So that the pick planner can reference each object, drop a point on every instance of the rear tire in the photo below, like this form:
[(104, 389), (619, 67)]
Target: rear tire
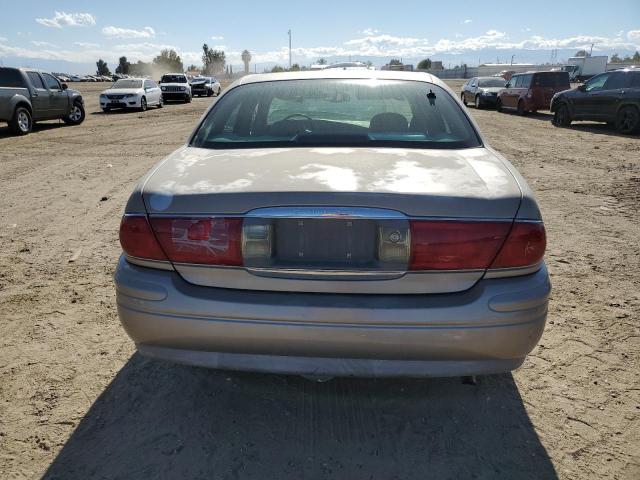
[(520, 109), (21, 123), (76, 115), (628, 120), (477, 102), (562, 117), (463, 99), (499, 105)]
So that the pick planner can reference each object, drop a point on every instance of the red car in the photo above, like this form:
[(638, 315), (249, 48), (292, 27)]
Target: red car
[(531, 91)]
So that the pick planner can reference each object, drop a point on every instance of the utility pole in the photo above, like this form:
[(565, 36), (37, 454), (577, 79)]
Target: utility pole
[(512, 57), (289, 49), (591, 51)]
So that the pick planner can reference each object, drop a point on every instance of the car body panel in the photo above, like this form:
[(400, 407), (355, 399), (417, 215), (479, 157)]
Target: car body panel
[(417, 182), (489, 322)]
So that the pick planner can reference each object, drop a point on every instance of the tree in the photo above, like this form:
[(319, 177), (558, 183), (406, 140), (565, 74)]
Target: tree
[(295, 68), (277, 69), (615, 58), (581, 53), (191, 68), (169, 60), (246, 58), (636, 57), (141, 68), (322, 61), (103, 69), (424, 64), (123, 66), (213, 61), (395, 61)]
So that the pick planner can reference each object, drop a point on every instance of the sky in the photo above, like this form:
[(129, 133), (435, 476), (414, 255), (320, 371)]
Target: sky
[(70, 36)]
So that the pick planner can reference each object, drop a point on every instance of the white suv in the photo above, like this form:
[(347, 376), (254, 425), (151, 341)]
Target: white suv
[(175, 86)]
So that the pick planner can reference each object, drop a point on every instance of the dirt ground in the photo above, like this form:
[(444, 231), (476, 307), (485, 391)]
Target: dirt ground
[(76, 402)]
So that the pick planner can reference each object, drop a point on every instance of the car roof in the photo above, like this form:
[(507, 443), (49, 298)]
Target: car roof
[(336, 73), (134, 78)]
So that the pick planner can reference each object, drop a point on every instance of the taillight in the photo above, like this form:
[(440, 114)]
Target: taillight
[(137, 239), (524, 247), (207, 241), (463, 245), (455, 245)]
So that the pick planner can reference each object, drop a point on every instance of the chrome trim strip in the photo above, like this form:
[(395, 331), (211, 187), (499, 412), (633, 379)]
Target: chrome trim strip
[(512, 272), (143, 262), (326, 212), (326, 274)]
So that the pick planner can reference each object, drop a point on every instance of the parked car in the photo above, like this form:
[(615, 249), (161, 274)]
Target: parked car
[(205, 86), (482, 91), (330, 223), (175, 86), (131, 93), (28, 95), (506, 74), (612, 97), (531, 91)]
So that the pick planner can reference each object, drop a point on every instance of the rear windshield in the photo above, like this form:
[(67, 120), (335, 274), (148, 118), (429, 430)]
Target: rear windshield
[(552, 79), (173, 79), (127, 83), (345, 112), (491, 82), (10, 78)]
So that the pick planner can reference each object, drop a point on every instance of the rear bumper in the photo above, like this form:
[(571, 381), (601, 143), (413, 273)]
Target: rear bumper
[(489, 328)]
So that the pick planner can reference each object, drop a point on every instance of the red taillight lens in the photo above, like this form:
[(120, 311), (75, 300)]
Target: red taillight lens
[(208, 241), (455, 245), (138, 240), (524, 247)]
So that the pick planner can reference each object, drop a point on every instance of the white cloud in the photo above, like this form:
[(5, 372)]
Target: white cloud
[(369, 31), (86, 44), (4, 39), (43, 44), (220, 37), (633, 35), (117, 32), (64, 19), (468, 20)]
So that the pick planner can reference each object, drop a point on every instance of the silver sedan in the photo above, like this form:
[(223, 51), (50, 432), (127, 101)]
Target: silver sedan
[(335, 223)]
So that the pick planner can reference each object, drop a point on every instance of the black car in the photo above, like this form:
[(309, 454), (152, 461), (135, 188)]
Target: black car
[(612, 97), (482, 91)]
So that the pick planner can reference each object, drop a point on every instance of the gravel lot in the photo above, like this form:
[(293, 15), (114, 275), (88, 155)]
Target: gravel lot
[(76, 402)]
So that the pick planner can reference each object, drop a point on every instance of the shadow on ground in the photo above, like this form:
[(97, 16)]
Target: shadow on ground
[(38, 127), (157, 420)]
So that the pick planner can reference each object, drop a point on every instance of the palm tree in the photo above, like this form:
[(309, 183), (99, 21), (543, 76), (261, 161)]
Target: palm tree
[(246, 58)]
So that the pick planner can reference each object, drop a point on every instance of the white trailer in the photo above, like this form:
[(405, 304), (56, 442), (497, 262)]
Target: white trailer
[(583, 68)]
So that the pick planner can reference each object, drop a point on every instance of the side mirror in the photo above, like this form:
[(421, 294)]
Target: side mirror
[(582, 88), (64, 86), (508, 85)]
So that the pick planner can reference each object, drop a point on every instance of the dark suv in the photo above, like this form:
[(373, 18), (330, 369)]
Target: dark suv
[(612, 97), (531, 91)]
